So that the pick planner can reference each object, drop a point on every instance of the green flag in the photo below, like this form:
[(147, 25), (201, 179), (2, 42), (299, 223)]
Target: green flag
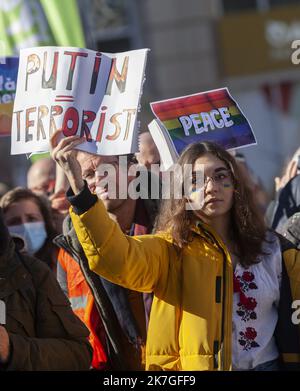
[(64, 21), (22, 24), (27, 23)]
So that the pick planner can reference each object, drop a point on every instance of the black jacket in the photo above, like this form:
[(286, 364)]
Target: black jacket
[(287, 333), (43, 331)]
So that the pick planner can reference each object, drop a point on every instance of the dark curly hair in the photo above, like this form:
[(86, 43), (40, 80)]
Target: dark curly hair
[(248, 228)]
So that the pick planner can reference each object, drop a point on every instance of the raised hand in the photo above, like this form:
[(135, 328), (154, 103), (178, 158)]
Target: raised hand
[(63, 152), (290, 172)]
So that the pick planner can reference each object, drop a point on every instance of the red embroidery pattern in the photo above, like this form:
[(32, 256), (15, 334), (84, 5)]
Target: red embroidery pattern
[(246, 309), (247, 338), (246, 281)]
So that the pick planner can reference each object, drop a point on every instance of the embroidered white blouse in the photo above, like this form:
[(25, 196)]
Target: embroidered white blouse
[(255, 308)]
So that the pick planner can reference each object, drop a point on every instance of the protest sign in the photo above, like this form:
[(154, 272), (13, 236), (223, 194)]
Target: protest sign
[(208, 116), (8, 81), (81, 92)]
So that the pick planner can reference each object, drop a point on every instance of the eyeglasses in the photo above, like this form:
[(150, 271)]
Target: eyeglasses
[(223, 178)]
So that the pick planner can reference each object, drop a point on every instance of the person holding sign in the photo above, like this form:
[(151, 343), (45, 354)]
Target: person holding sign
[(222, 282), (119, 314)]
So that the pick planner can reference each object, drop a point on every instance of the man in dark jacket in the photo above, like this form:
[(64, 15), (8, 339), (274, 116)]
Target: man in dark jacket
[(291, 229), (39, 330), (287, 197), (286, 203)]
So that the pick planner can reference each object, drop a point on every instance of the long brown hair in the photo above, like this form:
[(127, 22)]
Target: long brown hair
[(247, 225), (45, 254)]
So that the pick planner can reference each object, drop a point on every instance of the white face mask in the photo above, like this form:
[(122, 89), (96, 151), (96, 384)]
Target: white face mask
[(34, 235)]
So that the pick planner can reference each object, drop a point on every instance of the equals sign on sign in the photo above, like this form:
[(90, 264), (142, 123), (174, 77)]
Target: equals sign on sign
[(64, 98)]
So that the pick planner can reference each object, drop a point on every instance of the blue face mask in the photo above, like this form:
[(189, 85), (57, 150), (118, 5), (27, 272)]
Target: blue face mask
[(33, 235)]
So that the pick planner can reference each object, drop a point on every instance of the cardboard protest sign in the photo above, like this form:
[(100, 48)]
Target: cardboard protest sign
[(208, 116), (82, 92), (8, 81)]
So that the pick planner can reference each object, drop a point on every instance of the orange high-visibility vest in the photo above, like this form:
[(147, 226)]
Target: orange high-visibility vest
[(78, 288), (94, 324), (83, 305)]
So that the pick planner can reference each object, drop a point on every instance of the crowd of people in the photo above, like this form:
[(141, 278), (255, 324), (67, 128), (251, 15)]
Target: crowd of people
[(136, 283)]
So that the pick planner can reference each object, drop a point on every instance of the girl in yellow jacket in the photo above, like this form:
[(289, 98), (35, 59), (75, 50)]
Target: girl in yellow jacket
[(222, 293)]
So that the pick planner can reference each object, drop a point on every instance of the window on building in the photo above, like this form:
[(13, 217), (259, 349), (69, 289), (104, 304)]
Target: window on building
[(283, 2), (238, 5), (248, 5), (112, 24), (114, 45)]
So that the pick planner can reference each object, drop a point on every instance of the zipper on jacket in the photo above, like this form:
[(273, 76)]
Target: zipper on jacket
[(222, 350), (216, 354), (218, 282), (222, 363), (218, 289)]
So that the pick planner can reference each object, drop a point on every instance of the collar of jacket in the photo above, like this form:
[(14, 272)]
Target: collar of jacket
[(210, 235)]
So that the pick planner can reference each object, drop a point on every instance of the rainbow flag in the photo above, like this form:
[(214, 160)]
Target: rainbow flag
[(8, 83), (207, 116)]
